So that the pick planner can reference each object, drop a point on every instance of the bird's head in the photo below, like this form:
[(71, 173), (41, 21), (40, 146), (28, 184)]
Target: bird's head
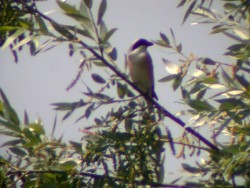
[(139, 43)]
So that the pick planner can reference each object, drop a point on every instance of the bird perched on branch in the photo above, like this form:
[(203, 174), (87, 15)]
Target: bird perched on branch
[(140, 67)]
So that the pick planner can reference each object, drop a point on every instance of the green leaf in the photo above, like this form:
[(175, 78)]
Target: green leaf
[(99, 63), (69, 163), (23, 42), (208, 61), (168, 78), (98, 79), (37, 128), (10, 126), (189, 10), (65, 106), (101, 11), (18, 151), (88, 3), (179, 48), (67, 7), (102, 30), (77, 146), (13, 37), (9, 113), (219, 29), (32, 138), (84, 9), (6, 28), (109, 34), (34, 45), (63, 31), (89, 110), (12, 143), (121, 90), (243, 81), (173, 36), (205, 12), (171, 67), (227, 78), (177, 82), (112, 52), (161, 43), (230, 6), (190, 169), (209, 80), (164, 38), (182, 2), (101, 96), (231, 104), (42, 25), (171, 142), (200, 105), (26, 118), (85, 32)]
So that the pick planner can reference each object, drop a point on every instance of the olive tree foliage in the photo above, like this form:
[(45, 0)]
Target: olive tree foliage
[(124, 146)]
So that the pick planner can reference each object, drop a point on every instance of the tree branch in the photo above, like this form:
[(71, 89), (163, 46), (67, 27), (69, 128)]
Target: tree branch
[(123, 77), (96, 176)]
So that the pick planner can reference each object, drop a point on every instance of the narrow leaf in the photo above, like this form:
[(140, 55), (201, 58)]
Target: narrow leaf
[(181, 3), (13, 37), (189, 168), (173, 36), (171, 142), (9, 113), (60, 29), (177, 82), (18, 151), (69, 163), (171, 67), (26, 118), (54, 126), (168, 78), (12, 142), (77, 146), (189, 10), (200, 105), (208, 61), (164, 38), (179, 48), (101, 11), (89, 110), (98, 79), (84, 9), (102, 29), (23, 42), (67, 7), (109, 34), (88, 3), (121, 90), (42, 25), (112, 53)]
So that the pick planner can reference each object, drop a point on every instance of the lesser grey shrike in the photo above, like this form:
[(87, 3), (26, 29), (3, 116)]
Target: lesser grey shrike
[(140, 67)]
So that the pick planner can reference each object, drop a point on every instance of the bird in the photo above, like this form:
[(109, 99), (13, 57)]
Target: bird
[(140, 67)]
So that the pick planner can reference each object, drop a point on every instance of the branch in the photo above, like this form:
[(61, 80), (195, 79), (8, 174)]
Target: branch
[(123, 77), (96, 176), (157, 105)]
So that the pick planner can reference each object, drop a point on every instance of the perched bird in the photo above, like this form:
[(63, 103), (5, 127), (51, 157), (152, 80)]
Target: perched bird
[(140, 67)]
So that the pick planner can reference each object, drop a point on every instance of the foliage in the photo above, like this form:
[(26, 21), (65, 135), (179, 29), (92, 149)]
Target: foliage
[(217, 92), (124, 146)]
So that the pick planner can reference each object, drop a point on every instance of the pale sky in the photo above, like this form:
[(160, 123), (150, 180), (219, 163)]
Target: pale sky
[(36, 82)]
